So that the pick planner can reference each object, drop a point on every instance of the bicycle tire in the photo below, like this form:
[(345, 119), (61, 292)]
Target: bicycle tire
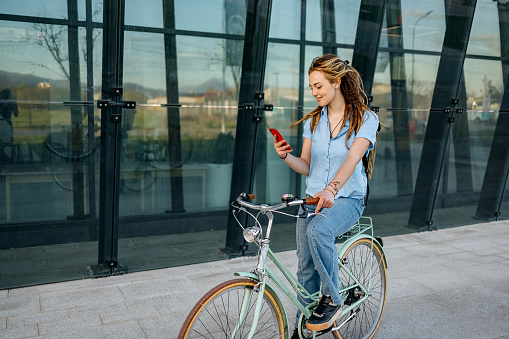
[(216, 314), (357, 258)]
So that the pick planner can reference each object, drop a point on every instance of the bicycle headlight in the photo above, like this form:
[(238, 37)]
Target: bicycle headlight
[(251, 233)]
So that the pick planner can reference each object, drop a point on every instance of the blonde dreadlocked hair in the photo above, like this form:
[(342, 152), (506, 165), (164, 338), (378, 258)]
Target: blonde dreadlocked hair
[(333, 68)]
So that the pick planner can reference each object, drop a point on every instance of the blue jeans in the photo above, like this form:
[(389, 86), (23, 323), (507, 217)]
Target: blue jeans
[(316, 248)]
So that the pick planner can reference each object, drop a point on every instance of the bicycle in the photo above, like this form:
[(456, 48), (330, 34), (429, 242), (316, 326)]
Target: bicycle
[(250, 307)]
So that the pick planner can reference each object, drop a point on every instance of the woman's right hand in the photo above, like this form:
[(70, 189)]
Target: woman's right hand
[(282, 148)]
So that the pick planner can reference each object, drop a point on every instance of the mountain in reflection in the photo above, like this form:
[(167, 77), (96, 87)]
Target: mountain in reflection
[(15, 80)]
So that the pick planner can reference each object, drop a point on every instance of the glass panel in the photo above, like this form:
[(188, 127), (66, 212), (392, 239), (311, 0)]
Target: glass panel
[(485, 33), (313, 21), (423, 24), (484, 90), (97, 10), (146, 13), (347, 16), (208, 76), (48, 148), (227, 16), (285, 19), (281, 90), (46, 9)]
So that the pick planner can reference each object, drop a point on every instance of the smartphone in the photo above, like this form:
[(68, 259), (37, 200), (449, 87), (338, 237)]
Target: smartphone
[(278, 135)]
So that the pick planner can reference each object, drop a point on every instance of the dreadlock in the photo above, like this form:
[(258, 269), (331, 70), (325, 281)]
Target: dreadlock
[(333, 68)]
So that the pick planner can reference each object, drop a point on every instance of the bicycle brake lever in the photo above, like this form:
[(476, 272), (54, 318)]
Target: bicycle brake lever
[(312, 214)]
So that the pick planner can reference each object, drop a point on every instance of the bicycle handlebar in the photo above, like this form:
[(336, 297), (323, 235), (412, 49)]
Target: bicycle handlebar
[(244, 200)]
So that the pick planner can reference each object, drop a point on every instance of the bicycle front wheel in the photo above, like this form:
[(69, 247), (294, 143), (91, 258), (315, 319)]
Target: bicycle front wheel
[(365, 261), (219, 312)]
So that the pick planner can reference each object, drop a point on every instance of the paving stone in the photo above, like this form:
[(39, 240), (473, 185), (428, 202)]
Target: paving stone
[(34, 318), (125, 330), (70, 324), (81, 297), (115, 316), (13, 306), (19, 332)]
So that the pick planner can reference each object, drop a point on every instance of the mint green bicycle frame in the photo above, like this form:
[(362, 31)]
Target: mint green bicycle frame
[(262, 271)]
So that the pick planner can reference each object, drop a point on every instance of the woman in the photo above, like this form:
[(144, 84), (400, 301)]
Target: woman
[(336, 136)]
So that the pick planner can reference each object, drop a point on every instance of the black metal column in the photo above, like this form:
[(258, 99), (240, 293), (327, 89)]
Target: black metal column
[(91, 119), (367, 39), (497, 169), (173, 113), (459, 17), (249, 118), (328, 26), (399, 94), (78, 178), (461, 142), (113, 39)]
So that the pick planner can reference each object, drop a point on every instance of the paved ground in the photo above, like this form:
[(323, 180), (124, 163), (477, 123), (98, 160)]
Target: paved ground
[(451, 283)]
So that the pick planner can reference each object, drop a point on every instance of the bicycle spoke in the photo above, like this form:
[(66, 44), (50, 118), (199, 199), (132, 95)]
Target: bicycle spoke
[(222, 313)]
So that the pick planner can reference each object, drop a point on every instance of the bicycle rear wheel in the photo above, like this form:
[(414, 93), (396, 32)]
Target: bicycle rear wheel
[(217, 313), (366, 263)]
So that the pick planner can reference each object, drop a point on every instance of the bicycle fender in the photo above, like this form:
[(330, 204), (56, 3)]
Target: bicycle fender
[(271, 290), (254, 277), (350, 241)]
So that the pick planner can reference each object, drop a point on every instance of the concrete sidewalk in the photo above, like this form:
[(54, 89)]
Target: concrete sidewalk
[(451, 283)]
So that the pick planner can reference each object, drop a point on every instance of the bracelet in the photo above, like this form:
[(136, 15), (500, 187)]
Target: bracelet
[(286, 155), (334, 185), (326, 189)]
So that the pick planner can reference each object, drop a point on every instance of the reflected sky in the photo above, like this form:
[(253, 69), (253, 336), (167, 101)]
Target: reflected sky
[(201, 59)]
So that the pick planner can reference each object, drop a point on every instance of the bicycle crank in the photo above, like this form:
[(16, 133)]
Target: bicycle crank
[(347, 320)]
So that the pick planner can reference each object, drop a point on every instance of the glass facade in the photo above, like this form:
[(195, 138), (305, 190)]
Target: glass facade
[(128, 126)]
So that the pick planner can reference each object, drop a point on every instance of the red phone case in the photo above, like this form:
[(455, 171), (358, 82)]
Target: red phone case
[(278, 135)]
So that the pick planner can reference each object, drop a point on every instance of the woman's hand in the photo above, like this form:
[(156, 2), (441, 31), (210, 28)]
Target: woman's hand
[(326, 200), (282, 148)]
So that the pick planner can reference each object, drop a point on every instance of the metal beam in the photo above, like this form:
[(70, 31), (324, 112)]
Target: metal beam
[(328, 26), (173, 113), (249, 117), (113, 21), (497, 169), (400, 114), (367, 39)]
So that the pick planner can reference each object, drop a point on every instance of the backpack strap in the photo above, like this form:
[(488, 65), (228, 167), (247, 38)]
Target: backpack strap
[(365, 165)]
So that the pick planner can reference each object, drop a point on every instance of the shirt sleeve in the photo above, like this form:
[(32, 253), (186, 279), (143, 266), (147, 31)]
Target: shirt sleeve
[(369, 128), (307, 130)]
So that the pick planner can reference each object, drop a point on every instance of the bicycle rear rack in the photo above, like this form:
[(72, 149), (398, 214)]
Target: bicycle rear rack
[(362, 225)]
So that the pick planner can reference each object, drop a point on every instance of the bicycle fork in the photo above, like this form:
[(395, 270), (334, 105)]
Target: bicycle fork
[(260, 288)]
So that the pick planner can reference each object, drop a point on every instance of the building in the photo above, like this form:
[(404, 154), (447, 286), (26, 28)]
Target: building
[(128, 126)]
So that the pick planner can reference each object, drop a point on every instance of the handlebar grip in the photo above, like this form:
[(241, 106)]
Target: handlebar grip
[(312, 201), (251, 196)]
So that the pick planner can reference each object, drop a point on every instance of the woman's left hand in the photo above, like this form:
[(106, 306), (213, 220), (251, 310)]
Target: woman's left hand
[(326, 200)]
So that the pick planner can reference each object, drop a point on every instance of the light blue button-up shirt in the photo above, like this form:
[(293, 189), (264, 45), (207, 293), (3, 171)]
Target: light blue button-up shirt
[(327, 155)]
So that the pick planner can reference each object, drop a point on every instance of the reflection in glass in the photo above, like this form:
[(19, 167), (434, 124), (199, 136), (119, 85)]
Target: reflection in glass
[(281, 90), (423, 24), (145, 13), (285, 19), (45, 9), (485, 32), (226, 16)]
